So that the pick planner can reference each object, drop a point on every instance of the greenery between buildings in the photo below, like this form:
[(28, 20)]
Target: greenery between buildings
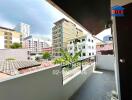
[(46, 55), (67, 59), (16, 46)]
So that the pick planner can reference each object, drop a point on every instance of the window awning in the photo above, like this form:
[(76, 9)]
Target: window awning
[(93, 15)]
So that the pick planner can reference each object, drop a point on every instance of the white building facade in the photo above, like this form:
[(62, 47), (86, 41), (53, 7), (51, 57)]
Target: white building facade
[(24, 29), (36, 45), (86, 44)]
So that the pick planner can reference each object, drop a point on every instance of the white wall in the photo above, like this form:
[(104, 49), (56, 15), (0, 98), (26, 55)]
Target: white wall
[(18, 54), (42, 85), (105, 62), (71, 87), (2, 46), (14, 39)]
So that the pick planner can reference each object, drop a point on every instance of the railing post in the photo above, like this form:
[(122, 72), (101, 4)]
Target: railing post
[(81, 66)]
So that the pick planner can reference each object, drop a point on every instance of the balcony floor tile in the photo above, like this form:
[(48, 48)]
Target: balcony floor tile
[(97, 87)]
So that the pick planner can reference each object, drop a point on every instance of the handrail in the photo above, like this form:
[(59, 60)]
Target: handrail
[(63, 66)]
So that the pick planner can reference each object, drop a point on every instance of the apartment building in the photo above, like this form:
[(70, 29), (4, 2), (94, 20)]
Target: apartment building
[(62, 32), (8, 36), (86, 44), (36, 45), (24, 29)]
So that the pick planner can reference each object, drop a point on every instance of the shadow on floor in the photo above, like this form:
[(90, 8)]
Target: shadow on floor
[(97, 87)]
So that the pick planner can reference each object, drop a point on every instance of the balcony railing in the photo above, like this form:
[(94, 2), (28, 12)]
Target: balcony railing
[(75, 67)]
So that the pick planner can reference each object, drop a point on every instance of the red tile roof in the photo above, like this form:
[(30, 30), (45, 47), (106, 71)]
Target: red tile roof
[(104, 47)]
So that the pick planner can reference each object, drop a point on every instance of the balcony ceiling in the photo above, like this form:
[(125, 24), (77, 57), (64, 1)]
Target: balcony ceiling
[(93, 15), (120, 2)]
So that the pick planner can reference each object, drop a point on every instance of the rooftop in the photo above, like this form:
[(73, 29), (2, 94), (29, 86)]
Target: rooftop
[(5, 28), (62, 20), (12, 67)]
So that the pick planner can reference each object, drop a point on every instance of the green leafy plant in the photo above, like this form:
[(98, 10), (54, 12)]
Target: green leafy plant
[(16, 45), (46, 55), (67, 58)]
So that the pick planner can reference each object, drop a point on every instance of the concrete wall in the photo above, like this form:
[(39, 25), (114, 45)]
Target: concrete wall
[(42, 85), (72, 86), (105, 62), (18, 54)]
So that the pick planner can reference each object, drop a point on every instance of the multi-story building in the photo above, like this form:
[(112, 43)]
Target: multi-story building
[(49, 49), (86, 44), (62, 32), (106, 47), (8, 37), (24, 29), (36, 45)]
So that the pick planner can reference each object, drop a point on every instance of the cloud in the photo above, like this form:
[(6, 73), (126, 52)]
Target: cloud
[(38, 13), (5, 23), (104, 33)]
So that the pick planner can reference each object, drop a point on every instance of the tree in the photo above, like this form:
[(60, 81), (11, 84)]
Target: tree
[(16, 45), (67, 58), (46, 55)]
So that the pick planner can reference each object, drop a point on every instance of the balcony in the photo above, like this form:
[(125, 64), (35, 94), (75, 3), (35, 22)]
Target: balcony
[(81, 83)]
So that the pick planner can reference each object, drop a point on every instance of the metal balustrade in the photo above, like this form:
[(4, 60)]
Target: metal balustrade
[(72, 68)]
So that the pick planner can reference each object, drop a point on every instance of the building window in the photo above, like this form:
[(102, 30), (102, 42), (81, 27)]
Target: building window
[(101, 45), (6, 46), (110, 38), (5, 33), (89, 40), (92, 47), (83, 47), (89, 54), (71, 54), (71, 48), (75, 48), (84, 54), (92, 41), (92, 53), (78, 41), (80, 55), (10, 38), (10, 42), (6, 37), (83, 40), (10, 34), (5, 41)]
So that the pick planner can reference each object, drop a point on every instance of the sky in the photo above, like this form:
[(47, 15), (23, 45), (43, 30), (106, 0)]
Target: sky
[(37, 13), (104, 33)]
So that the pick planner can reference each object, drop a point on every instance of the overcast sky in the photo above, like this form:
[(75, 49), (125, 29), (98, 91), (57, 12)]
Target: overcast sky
[(37, 13)]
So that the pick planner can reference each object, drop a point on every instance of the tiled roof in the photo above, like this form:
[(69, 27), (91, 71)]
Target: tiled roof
[(104, 47), (12, 67)]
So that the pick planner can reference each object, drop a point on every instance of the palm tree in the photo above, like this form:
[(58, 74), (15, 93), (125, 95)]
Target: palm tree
[(67, 59)]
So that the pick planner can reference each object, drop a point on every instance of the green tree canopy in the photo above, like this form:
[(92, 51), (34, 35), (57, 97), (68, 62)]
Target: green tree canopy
[(16, 45), (46, 55)]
